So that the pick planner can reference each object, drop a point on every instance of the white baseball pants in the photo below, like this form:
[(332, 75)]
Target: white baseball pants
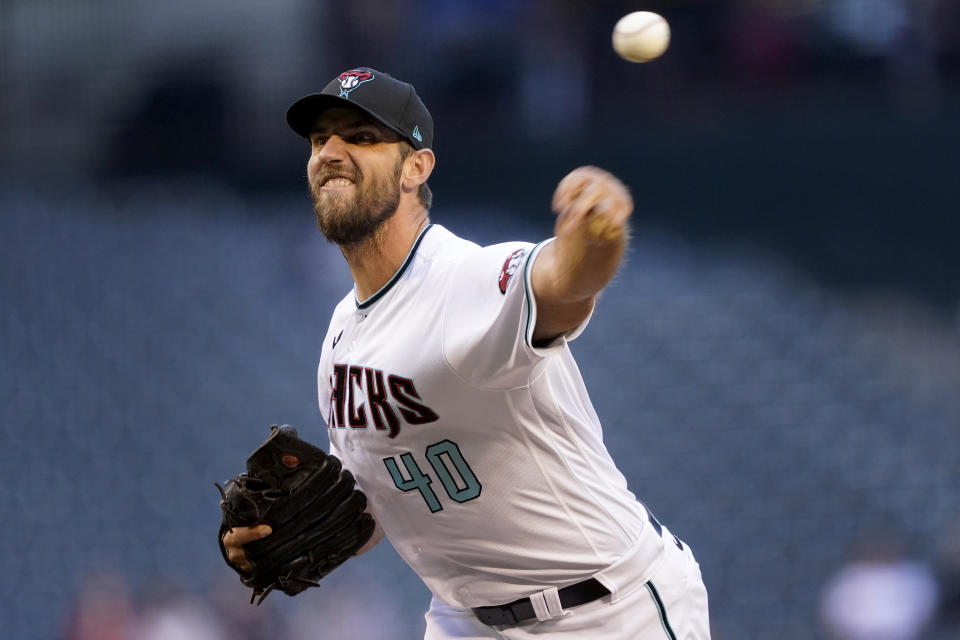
[(660, 600)]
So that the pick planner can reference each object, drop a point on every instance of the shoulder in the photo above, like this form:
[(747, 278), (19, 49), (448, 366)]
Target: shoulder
[(443, 246), (456, 260), (501, 261)]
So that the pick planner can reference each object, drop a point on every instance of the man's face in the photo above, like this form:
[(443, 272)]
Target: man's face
[(354, 172)]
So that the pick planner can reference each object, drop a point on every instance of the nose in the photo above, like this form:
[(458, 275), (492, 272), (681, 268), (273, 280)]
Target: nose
[(334, 149)]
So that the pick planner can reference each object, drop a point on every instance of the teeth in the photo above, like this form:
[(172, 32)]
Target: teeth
[(337, 182)]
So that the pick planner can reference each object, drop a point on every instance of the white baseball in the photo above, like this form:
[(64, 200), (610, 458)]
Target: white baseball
[(641, 36)]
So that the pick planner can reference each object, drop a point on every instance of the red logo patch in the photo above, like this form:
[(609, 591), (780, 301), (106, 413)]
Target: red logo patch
[(350, 80), (510, 267)]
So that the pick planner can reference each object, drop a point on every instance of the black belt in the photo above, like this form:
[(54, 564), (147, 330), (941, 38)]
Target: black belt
[(572, 596), (522, 609)]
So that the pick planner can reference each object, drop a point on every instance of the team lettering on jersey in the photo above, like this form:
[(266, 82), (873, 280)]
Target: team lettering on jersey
[(361, 396)]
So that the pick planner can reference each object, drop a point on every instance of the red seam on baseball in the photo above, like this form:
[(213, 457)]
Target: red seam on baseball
[(636, 30)]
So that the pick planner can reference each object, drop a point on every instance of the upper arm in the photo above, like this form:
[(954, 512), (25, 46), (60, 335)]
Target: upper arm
[(489, 316)]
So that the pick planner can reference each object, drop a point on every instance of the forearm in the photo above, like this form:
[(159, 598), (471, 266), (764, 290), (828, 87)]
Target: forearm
[(580, 263), (568, 275), (593, 209)]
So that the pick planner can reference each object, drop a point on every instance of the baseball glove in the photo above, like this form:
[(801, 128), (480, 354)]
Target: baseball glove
[(311, 503)]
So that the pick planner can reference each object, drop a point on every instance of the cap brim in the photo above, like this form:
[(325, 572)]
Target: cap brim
[(304, 112)]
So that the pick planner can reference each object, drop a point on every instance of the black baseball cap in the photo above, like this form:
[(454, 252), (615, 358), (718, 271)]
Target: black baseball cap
[(392, 102)]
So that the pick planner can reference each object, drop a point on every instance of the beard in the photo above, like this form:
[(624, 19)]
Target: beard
[(351, 218)]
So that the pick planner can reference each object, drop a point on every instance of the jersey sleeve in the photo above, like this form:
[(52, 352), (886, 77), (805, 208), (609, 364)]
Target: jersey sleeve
[(490, 314)]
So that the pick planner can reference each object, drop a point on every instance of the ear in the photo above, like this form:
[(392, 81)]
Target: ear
[(417, 167)]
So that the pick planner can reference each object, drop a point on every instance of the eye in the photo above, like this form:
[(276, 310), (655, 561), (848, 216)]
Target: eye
[(317, 141), (362, 137)]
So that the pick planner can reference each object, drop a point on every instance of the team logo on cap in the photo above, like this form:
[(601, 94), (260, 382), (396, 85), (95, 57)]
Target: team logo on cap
[(350, 80)]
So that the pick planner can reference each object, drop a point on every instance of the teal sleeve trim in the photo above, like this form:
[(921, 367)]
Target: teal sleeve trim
[(528, 291)]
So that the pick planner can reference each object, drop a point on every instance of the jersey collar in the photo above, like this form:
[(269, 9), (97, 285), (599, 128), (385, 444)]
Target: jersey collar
[(396, 277)]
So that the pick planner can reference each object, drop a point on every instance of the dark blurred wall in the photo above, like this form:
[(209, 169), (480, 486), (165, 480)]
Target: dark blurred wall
[(825, 130)]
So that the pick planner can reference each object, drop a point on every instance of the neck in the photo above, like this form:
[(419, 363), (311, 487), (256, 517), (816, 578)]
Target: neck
[(375, 260)]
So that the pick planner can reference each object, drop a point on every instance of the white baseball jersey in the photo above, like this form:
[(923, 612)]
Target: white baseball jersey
[(481, 455)]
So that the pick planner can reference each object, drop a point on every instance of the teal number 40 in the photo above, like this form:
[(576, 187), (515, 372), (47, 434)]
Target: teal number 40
[(442, 456)]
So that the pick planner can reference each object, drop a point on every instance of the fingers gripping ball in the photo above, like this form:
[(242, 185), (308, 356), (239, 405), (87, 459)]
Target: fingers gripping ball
[(641, 36), (592, 203), (312, 504)]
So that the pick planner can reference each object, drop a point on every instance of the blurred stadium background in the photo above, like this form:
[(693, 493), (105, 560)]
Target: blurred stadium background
[(777, 366)]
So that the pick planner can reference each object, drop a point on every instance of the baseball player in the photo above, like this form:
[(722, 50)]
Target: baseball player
[(450, 392)]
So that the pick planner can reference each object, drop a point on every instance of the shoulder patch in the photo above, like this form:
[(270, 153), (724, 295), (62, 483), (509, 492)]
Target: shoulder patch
[(510, 266)]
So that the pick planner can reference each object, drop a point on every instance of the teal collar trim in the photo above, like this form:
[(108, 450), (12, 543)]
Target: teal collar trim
[(396, 277)]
